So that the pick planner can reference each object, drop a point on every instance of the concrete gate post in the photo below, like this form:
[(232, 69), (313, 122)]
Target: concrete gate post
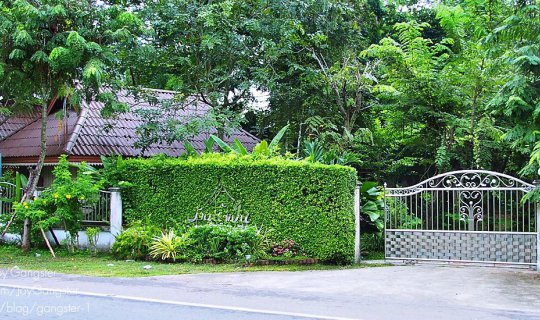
[(537, 184), (116, 211), (357, 210)]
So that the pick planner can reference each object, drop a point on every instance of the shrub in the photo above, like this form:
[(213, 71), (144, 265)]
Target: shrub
[(167, 246), (311, 203), (372, 242), (61, 203), (134, 242), (223, 242)]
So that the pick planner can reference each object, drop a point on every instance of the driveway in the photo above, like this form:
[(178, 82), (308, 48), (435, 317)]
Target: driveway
[(405, 292)]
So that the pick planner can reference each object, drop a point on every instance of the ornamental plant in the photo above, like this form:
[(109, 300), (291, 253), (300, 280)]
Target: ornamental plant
[(224, 243), (135, 241), (167, 246), (286, 248), (61, 203)]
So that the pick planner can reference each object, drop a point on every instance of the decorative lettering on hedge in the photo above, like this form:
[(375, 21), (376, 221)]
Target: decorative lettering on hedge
[(221, 208)]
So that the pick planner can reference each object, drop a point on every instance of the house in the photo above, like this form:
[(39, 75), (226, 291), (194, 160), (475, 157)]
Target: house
[(84, 135)]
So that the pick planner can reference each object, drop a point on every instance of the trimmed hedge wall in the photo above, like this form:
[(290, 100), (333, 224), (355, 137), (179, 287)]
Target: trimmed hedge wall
[(309, 203)]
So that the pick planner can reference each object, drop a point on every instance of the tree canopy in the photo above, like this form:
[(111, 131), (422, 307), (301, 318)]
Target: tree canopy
[(409, 88), (55, 49)]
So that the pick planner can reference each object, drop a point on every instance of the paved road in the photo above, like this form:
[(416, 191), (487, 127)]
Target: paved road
[(405, 292), (32, 304)]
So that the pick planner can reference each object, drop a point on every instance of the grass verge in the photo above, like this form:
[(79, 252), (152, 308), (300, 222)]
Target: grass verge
[(104, 265)]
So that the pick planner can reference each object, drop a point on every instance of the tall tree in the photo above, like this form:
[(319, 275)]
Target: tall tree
[(313, 64), (516, 43), (53, 48), (206, 50), (420, 94)]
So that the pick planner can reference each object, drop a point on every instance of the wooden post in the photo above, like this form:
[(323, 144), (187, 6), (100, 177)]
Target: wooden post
[(357, 210), (47, 242)]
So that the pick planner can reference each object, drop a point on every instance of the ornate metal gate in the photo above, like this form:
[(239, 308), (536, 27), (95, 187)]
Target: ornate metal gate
[(465, 216), (8, 192)]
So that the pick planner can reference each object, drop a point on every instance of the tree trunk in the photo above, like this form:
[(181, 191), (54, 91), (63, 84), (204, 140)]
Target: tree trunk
[(347, 128), (27, 226), (34, 176)]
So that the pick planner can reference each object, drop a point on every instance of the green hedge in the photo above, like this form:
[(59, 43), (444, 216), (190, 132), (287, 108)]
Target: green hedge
[(309, 203)]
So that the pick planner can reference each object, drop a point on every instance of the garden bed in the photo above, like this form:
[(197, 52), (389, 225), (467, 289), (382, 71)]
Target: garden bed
[(104, 265)]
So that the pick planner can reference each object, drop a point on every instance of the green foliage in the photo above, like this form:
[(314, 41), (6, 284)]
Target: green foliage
[(222, 144), (62, 202), (274, 144), (134, 242), (401, 216), (72, 50), (109, 174), (224, 243), (311, 203), (372, 242), (372, 206), (92, 233), (167, 247), (408, 91), (518, 100), (239, 148), (314, 152), (262, 149), (53, 49), (213, 63)]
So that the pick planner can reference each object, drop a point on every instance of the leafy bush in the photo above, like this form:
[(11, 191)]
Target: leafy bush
[(372, 207), (314, 152), (372, 242), (311, 203), (167, 246), (62, 202), (224, 243), (134, 242)]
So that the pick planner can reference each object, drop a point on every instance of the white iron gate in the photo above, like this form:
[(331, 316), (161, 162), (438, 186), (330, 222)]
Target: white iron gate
[(465, 216)]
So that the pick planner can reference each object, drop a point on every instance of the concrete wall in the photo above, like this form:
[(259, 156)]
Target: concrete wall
[(105, 240)]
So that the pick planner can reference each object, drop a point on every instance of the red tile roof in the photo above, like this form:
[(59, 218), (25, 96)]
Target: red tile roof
[(26, 141), (10, 125), (88, 133)]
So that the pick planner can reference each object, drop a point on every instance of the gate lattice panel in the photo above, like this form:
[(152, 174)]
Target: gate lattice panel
[(467, 216), (8, 193)]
